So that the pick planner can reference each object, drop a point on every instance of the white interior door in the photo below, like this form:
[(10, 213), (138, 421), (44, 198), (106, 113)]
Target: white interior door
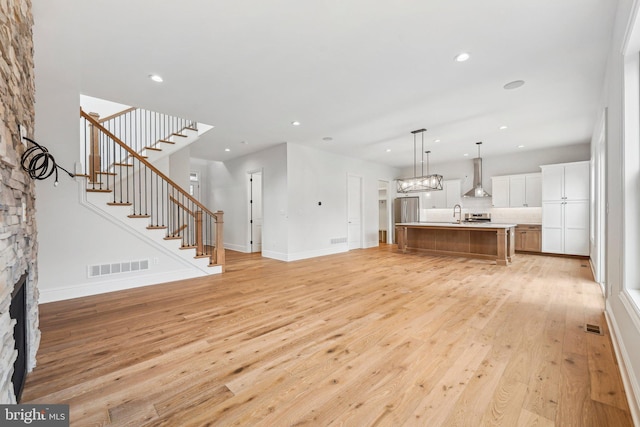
[(255, 204), (354, 212)]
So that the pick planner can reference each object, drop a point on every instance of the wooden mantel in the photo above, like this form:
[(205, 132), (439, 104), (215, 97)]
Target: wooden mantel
[(485, 240)]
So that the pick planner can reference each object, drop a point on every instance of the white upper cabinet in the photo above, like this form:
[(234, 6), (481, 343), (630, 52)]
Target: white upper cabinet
[(434, 199), (452, 189), (517, 191), (500, 191), (448, 197), (553, 183), (567, 181), (576, 181), (533, 190)]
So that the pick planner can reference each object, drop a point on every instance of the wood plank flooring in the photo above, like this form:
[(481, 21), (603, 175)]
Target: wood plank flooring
[(370, 337)]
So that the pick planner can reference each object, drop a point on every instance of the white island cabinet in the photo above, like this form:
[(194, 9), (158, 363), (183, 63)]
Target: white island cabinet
[(565, 208)]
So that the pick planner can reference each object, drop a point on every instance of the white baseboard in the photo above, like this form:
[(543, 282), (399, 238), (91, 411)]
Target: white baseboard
[(101, 287), (336, 249), (631, 386), (274, 255), (595, 277), (305, 255), (371, 244), (237, 248)]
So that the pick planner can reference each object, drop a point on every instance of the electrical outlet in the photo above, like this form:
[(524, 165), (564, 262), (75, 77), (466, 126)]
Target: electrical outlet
[(23, 134)]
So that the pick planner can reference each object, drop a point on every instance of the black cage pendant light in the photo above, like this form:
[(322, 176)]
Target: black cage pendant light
[(428, 182)]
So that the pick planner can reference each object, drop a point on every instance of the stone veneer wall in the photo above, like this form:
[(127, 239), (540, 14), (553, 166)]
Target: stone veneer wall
[(18, 244)]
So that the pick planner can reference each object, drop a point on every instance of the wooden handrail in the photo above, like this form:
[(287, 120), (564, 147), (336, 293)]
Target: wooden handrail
[(113, 116), (142, 160), (184, 208)]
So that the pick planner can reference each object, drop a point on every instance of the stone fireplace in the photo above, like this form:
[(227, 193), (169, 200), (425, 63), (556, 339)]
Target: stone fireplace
[(18, 240)]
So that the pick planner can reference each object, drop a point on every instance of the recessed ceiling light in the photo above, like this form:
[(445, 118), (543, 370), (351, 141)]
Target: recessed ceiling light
[(388, 150), (461, 57), (327, 138), (436, 140), (243, 142), (520, 146), (514, 84), (503, 127), (227, 149), (295, 123), (156, 78), (465, 154)]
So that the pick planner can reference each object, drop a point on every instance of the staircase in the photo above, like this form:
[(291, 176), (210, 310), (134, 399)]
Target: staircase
[(122, 182)]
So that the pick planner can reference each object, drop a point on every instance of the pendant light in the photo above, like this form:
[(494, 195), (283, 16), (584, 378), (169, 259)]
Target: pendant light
[(423, 182)]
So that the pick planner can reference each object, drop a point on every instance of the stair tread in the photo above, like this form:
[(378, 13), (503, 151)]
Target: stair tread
[(97, 190), (179, 134), (165, 141), (153, 148), (188, 247), (190, 128), (119, 204), (106, 173), (157, 227), (173, 238), (138, 216)]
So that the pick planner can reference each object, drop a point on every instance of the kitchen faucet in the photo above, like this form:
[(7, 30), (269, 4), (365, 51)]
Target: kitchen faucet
[(457, 206)]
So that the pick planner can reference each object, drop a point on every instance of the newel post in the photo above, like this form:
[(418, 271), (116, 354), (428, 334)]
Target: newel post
[(219, 239), (94, 153)]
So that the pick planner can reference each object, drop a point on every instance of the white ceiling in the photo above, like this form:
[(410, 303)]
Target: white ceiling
[(364, 73)]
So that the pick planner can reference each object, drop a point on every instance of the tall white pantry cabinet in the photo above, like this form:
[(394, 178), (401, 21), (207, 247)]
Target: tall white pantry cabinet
[(565, 208)]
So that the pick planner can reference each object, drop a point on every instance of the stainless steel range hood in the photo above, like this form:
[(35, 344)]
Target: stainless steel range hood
[(477, 190)]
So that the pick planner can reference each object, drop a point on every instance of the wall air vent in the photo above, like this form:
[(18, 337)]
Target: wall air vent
[(118, 267), (338, 240)]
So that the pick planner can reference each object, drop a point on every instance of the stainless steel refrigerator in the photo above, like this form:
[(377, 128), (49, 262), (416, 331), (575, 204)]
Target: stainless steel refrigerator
[(405, 209)]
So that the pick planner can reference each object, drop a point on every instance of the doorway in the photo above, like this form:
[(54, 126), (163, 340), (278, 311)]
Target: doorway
[(255, 211), (194, 184), (383, 212), (599, 226), (354, 212)]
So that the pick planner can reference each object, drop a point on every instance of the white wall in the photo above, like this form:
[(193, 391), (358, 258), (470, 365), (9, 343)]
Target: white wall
[(623, 318), (295, 179), (318, 176), (228, 191), (70, 236), (101, 106), (179, 167)]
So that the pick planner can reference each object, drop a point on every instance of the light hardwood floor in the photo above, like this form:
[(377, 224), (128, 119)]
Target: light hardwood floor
[(368, 337)]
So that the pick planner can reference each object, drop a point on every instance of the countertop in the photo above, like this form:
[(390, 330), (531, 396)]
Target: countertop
[(457, 225)]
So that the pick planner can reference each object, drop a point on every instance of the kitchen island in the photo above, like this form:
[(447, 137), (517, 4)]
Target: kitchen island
[(473, 240)]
